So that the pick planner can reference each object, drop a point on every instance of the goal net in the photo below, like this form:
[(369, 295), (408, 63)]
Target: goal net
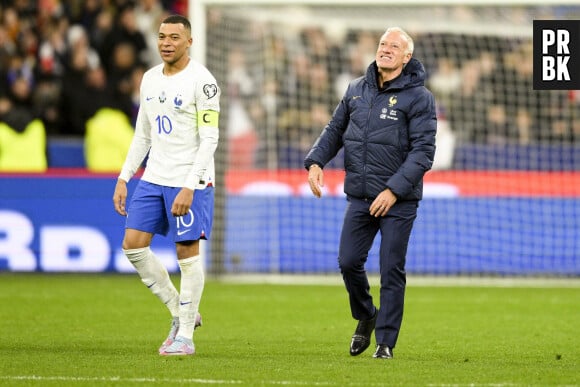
[(503, 197)]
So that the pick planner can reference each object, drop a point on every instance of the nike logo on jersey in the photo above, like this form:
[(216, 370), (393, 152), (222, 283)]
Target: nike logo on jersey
[(181, 232), (149, 98)]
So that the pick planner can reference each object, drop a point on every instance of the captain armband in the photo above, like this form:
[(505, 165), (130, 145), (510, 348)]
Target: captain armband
[(207, 118)]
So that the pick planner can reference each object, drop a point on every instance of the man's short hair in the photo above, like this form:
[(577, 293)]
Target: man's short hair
[(408, 38), (178, 19)]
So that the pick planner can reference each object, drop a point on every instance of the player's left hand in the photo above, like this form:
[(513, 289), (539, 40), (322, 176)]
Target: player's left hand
[(182, 202), (382, 203)]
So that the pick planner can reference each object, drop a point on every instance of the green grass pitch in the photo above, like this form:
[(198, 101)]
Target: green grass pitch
[(104, 330)]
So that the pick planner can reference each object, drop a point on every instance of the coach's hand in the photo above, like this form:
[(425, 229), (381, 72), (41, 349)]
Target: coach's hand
[(182, 202), (120, 197), (382, 203), (316, 179)]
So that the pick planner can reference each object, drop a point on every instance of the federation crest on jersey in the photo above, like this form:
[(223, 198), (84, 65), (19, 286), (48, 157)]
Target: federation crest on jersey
[(210, 90), (178, 101)]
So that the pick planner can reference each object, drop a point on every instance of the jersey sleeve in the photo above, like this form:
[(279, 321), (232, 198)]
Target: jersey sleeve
[(139, 147), (207, 95)]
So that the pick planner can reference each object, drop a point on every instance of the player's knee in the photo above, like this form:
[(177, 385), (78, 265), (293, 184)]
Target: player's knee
[(187, 249), (136, 240), (131, 245)]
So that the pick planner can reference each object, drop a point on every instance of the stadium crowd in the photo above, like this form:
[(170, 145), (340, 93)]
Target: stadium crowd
[(283, 84), (63, 60)]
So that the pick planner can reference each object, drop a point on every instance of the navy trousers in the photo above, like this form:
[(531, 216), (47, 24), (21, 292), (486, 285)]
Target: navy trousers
[(358, 233)]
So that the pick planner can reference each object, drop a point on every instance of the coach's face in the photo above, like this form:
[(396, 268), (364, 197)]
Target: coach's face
[(173, 42), (392, 52)]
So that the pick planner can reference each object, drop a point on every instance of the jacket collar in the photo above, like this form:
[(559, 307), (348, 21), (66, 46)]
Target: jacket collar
[(413, 75)]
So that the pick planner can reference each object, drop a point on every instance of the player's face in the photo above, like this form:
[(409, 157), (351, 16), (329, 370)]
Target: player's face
[(173, 42), (392, 52)]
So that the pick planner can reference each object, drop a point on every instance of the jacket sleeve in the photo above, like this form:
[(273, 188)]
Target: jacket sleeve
[(422, 127), (330, 140)]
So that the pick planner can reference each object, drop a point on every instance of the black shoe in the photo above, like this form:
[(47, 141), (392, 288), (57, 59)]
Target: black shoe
[(362, 335), (383, 352)]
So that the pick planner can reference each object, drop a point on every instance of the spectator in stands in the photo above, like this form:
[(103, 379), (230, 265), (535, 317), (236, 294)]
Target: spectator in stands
[(494, 70), (14, 115), (357, 56), (291, 124), (297, 131), (104, 22), (85, 90), (18, 76), (46, 103), (445, 82), (308, 94), (467, 113), (241, 131), (574, 112), (134, 94), (309, 79), (318, 46), (20, 79), (498, 127), (22, 139), (320, 89), (444, 142), (389, 145), (560, 106), (53, 49), (79, 48), (87, 13), (124, 31), (148, 15), (7, 47), (524, 127), (123, 63), (520, 94), (12, 23)]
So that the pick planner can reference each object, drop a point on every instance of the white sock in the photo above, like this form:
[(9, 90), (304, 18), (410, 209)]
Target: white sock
[(155, 276), (192, 283)]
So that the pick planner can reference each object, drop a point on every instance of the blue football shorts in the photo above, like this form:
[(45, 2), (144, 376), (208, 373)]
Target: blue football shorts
[(150, 211)]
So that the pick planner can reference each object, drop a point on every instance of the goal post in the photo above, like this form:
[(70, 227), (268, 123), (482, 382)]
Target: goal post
[(503, 197)]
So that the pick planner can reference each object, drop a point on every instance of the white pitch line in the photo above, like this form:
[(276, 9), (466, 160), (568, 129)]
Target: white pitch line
[(115, 379), (118, 379), (412, 280)]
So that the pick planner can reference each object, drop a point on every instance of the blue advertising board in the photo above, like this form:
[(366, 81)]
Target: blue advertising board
[(64, 224), (68, 224)]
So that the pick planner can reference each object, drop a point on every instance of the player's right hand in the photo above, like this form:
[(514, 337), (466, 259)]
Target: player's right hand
[(120, 197)]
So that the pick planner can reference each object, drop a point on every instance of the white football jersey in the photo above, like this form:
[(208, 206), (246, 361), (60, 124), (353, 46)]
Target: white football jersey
[(177, 125)]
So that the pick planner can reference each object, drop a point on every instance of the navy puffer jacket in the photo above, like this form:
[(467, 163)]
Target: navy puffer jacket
[(388, 134)]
